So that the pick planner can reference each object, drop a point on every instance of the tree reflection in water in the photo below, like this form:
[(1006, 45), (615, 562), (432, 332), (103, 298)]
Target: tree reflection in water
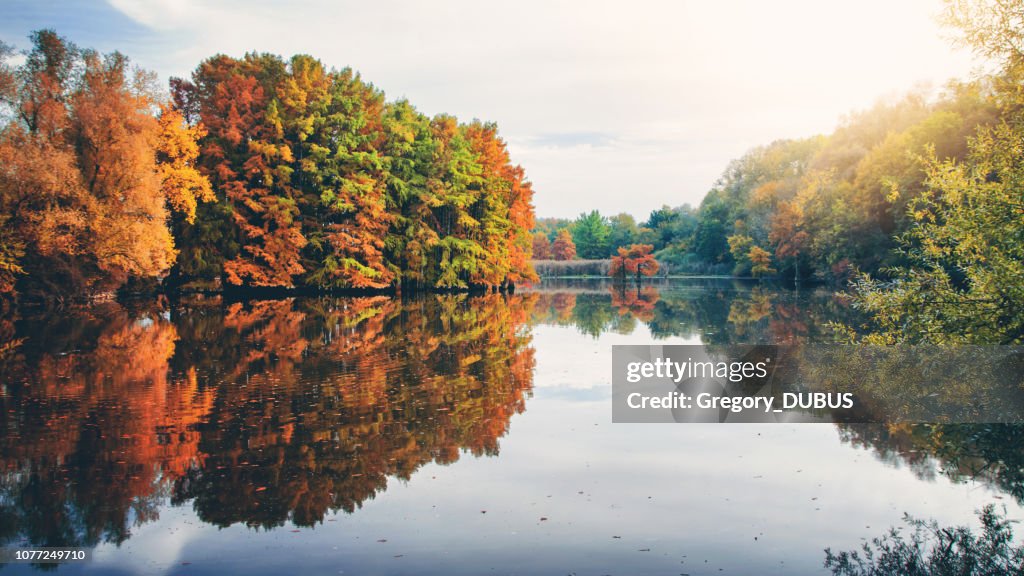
[(992, 454), (716, 311), (261, 413)]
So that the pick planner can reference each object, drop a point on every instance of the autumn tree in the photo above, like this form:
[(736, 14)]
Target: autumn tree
[(739, 249), (248, 160), (965, 254), (89, 172), (365, 194), (786, 235), (634, 260), (455, 188), (551, 226), (519, 198), (541, 246), (503, 211), (339, 137), (563, 247), (177, 152), (409, 151), (760, 261), (125, 204)]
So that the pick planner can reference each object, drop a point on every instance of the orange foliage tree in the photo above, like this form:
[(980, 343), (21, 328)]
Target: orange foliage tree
[(177, 152), (247, 158), (636, 260), (89, 171), (503, 211), (563, 248), (786, 234)]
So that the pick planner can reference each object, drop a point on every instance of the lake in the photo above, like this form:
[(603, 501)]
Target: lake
[(444, 435)]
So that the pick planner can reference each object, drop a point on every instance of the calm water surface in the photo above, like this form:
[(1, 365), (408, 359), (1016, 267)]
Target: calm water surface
[(443, 435)]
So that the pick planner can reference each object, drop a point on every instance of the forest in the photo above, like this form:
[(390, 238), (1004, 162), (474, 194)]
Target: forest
[(255, 172)]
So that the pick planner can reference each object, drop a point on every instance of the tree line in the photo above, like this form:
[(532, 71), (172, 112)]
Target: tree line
[(255, 172), (593, 236)]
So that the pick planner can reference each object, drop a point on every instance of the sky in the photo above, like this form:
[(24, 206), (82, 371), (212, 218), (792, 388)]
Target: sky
[(620, 106)]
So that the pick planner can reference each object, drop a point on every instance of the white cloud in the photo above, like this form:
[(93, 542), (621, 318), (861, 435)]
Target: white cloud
[(162, 15)]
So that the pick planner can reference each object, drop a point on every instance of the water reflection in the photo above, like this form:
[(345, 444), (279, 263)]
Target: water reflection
[(259, 413), (713, 311), (283, 411)]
